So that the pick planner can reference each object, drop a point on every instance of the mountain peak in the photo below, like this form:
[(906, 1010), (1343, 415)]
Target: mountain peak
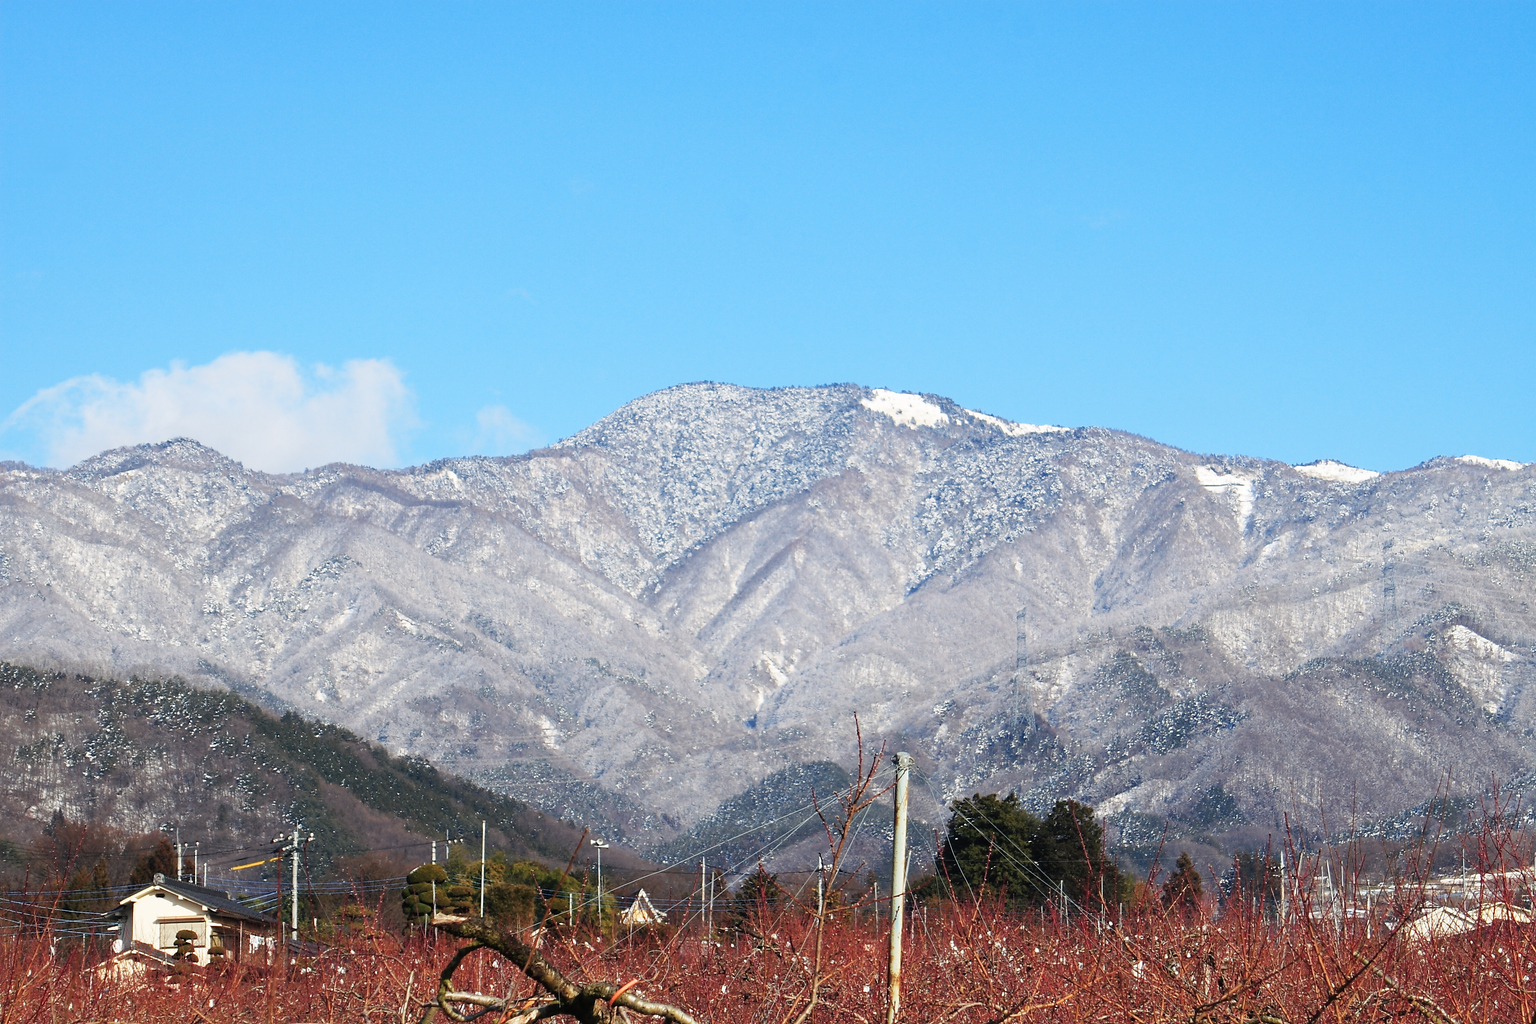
[(702, 589), (182, 453)]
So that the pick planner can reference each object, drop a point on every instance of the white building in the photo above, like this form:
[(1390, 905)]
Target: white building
[(149, 920)]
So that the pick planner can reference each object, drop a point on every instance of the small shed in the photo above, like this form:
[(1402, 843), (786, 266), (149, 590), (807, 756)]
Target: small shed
[(641, 911), (149, 920)]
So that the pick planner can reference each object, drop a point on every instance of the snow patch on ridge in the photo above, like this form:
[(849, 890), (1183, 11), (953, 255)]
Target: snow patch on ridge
[(1478, 460), (774, 671), (1336, 472), (1237, 489), (1016, 429), (1148, 798), (1477, 664), (913, 411), (904, 409)]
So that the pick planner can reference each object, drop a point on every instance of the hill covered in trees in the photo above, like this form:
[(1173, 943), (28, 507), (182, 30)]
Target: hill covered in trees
[(94, 767)]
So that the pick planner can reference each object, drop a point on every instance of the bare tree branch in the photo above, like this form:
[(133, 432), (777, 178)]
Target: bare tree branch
[(593, 1003)]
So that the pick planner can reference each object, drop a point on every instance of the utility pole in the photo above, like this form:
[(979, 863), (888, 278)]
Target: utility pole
[(295, 846), (600, 846), (482, 867), (1284, 909), (704, 896), (821, 893), (898, 886), (295, 903), (194, 862)]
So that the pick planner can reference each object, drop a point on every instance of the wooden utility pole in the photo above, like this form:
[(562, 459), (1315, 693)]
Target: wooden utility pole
[(898, 885)]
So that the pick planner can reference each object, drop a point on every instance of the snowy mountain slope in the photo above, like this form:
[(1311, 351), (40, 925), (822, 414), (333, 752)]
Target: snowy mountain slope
[(701, 589)]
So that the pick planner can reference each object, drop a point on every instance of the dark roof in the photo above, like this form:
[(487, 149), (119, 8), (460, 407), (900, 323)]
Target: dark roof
[(214, 899)]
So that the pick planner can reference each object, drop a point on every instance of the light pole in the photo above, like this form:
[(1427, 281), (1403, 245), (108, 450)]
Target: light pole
[(600, 846), (173, 827)]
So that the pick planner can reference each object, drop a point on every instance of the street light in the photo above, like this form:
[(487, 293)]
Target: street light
[(171, 826), (601, 846)]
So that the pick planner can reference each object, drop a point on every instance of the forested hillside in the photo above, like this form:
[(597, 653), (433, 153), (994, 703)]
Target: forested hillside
[(125, 757)]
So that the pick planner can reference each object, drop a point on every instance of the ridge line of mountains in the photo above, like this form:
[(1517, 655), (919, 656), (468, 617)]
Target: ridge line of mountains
[(641, 626)]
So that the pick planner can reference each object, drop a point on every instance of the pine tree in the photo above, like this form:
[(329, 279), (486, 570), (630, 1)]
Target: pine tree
[(1069, 849), (1255, 881), (424, 893), (988, 850), (759, 893), (760, 889), (186, 946), (160, 861), (1183, 891)]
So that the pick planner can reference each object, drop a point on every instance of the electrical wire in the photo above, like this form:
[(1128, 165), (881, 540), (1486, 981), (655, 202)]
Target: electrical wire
[(261, 895), (1019, 857)]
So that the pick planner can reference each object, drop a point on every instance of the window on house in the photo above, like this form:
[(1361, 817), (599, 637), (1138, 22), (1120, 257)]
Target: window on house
[(168, 930)]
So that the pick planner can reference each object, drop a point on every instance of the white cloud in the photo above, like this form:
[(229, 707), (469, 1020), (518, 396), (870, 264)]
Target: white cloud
[(498, 432), (261, 408)]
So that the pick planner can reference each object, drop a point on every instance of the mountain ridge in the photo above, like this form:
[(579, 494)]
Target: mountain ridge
[(652, 616)]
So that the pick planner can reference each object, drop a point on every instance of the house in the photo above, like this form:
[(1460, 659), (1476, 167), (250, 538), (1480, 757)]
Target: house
[(641, 912), (1442, 922), (220, 926)]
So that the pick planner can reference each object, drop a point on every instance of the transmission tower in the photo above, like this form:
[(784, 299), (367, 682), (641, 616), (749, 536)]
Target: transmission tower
[(1388, 581), (1023, 710)]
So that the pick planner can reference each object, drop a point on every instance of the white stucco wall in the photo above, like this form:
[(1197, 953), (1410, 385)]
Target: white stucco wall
[(151, 910)]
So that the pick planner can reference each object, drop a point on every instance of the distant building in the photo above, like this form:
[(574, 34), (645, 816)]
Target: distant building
[(641, 912)]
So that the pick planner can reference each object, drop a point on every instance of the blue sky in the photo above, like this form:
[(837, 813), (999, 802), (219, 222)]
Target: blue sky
[(393, 233)]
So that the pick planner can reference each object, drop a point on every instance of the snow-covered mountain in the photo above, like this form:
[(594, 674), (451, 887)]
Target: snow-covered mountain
[(650, 617)]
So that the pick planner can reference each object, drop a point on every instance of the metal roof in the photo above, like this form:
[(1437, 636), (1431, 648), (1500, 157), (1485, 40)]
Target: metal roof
[(221, 903)]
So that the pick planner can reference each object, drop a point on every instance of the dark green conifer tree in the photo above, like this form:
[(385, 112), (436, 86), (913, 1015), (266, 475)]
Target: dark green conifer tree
[(988, 851), (1183, 890), (1069, 848)]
